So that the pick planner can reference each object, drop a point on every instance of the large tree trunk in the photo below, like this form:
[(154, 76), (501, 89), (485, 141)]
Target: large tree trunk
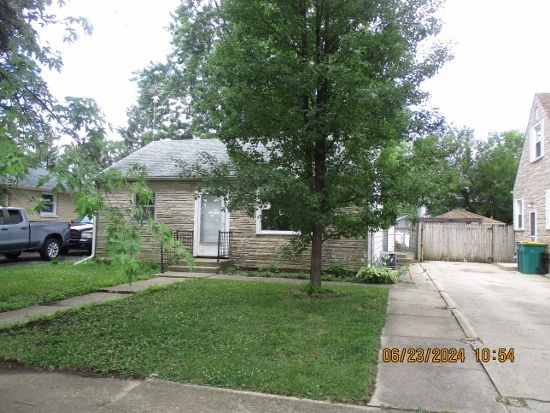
[(316, 255), (318, 226)]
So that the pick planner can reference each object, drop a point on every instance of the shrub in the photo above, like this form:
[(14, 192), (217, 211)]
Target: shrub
[(268, 271), (150, 266), (376, 275), (337, 270), (273, 268)]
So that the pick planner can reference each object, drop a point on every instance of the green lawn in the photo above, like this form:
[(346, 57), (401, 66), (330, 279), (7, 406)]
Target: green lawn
[(267, 337), (26, 285)]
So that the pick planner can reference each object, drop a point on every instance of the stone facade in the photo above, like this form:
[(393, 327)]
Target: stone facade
[(20, 197), (252, 250), (175, 206), (531, 194)]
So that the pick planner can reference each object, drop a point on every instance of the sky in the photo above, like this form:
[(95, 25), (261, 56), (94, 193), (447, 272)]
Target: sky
[(499, 63)]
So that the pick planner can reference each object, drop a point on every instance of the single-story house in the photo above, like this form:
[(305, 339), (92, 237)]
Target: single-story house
[(57, 207), (201, 216)]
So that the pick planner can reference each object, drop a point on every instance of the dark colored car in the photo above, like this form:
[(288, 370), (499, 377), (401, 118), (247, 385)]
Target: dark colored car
[(82, 232)]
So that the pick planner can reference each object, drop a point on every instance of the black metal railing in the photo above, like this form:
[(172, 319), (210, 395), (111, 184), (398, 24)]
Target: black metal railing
[(168, 256), (224, 244)]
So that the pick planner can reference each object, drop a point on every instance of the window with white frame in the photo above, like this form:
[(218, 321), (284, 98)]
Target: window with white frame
[(537, 141), (49, 205), (518, 214), (271, 220), (533, 225), (147, 205)]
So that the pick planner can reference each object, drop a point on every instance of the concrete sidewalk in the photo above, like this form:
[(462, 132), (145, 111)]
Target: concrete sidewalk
[(422, 317), (419, 316), (24, 315), (32, 391)]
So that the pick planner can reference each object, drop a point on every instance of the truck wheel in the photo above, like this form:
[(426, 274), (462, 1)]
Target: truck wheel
[(50, 249), (12, 255)]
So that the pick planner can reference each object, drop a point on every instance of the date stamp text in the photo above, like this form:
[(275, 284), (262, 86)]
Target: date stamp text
[(445, 355)]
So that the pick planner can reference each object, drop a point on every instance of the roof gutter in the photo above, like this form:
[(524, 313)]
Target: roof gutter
[(94, 236)]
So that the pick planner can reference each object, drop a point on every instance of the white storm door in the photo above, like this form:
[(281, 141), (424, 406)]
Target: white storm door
[(210, 218)]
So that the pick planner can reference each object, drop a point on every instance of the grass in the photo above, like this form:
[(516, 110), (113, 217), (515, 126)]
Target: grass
[(267, 337), (27, 285)]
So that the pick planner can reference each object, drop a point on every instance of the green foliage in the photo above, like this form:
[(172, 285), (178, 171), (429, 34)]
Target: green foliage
[(271, 268), (32, 121), (159, 112), (261, 338), (27, 285), (402, 271), (30, 118), (301, 275), (494, 174), (162, 233), (376, 275), (311, 100), (337, 270), (454, 170), (150, 266)]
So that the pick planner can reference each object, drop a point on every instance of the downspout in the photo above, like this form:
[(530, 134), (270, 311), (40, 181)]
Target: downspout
[(94, 236), (369, 249)]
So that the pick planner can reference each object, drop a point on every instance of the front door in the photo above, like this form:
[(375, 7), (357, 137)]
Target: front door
[(210, 218)]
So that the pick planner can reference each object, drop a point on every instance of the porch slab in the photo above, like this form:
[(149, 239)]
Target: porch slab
[(507, 266)]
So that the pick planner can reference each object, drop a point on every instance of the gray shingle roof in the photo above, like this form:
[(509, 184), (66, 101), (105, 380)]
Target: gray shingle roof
[(158, 157), (33, 176)]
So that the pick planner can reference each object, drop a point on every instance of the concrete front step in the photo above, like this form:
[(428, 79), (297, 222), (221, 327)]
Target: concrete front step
[(404, 258), (203, 262), (403, 254), (203, 266), (196, 268)]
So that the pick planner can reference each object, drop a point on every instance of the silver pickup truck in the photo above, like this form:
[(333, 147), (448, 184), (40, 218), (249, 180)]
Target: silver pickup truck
[(18, 234)]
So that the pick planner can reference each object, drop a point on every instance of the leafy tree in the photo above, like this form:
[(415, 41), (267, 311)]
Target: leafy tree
[(158, 113), (28, 112), (312, 99), (32, 121), (494, 174), (440, 169), (454, 170)]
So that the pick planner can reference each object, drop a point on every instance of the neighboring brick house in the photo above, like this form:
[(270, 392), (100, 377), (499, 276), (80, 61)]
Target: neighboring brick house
[(179, 206), (58, 207), (531, 194)]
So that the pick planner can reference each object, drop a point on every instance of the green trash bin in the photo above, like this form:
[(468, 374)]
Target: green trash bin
[(530, 257)]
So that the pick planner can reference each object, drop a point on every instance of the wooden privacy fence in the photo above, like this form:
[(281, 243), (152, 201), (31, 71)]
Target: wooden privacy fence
[(465, 242)]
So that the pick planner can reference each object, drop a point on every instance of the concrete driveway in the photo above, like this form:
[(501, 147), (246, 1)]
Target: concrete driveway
[(476, 309), (506, 310), (31, 258)]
